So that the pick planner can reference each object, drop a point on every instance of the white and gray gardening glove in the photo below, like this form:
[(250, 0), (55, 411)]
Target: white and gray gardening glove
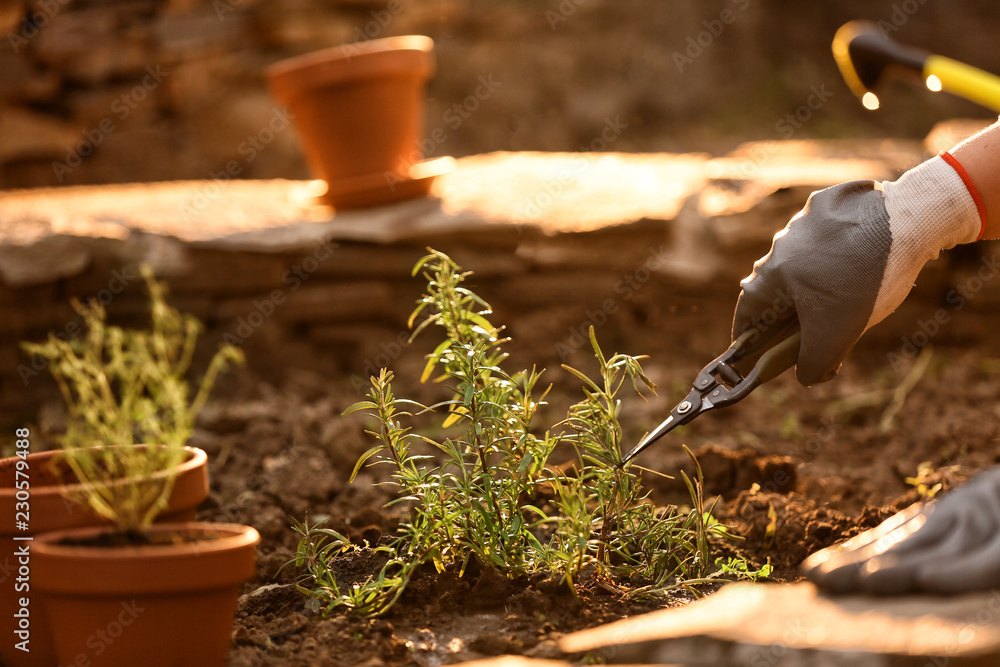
[(850, 257), (951, 545)]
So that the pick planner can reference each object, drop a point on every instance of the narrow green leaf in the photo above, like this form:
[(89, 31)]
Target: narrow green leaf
[(361, 461), (433, 359), (453, 417), (483, 322), (590, 383), (360, 405), (597, 348)]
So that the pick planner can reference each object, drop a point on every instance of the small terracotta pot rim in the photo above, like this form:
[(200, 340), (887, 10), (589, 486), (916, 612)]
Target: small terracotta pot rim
[(404, 56), (227, 560), (196, 457), (230, 536)]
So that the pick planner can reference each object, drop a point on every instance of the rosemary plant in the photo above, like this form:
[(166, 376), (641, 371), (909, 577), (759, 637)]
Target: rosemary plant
[(125, 388), (490, 493)]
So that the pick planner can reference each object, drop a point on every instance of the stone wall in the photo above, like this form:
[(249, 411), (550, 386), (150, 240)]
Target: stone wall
[(648, 249), (103, 91)]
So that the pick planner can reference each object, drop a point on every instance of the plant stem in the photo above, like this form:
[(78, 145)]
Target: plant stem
[(609, 517)]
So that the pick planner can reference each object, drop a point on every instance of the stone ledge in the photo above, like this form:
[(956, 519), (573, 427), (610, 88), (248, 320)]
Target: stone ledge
[(499, 198), (636, 244)]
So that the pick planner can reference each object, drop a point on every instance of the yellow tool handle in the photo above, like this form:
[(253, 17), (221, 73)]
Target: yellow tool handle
[(965, 81)]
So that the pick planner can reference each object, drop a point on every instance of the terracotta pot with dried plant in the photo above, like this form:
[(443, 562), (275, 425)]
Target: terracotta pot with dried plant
[(123, 464)]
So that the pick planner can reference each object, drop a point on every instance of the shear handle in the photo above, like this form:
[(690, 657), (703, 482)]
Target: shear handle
[(754, 343), (733, 368), (771, 364)]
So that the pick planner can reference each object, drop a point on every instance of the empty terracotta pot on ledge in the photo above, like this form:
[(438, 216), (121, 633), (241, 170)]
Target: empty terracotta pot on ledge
[(359, 111)]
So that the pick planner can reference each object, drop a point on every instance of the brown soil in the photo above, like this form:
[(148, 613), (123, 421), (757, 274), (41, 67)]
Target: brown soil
[(114, 540), (792, 470)]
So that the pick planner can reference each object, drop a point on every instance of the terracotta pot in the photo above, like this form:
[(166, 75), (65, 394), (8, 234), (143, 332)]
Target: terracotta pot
[(359, 112), (49, 510), (170, 604)]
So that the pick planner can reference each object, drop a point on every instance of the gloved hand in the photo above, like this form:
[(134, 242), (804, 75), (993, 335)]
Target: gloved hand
[(951, 545), (850, 257)]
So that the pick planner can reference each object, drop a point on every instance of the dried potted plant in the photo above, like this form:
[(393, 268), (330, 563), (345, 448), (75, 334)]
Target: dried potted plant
[(37, 493), (359, 110), (170, 589)]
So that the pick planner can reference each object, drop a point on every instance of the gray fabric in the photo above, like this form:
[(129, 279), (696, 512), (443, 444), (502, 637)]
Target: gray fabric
[(828, 264), (947, 546)]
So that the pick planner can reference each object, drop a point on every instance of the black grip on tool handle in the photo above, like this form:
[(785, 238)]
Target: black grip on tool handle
[(753, 344), (872, 53), (752, 348), (779, 358)]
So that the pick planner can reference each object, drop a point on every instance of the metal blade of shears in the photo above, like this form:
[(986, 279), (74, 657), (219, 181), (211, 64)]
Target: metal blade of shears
[(722, 382), (684, 412)]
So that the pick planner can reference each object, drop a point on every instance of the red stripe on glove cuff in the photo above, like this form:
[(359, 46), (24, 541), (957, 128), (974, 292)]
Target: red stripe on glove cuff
[(971, 187)]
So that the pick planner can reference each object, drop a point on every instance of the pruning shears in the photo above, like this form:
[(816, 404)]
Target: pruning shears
[(755, 357)]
